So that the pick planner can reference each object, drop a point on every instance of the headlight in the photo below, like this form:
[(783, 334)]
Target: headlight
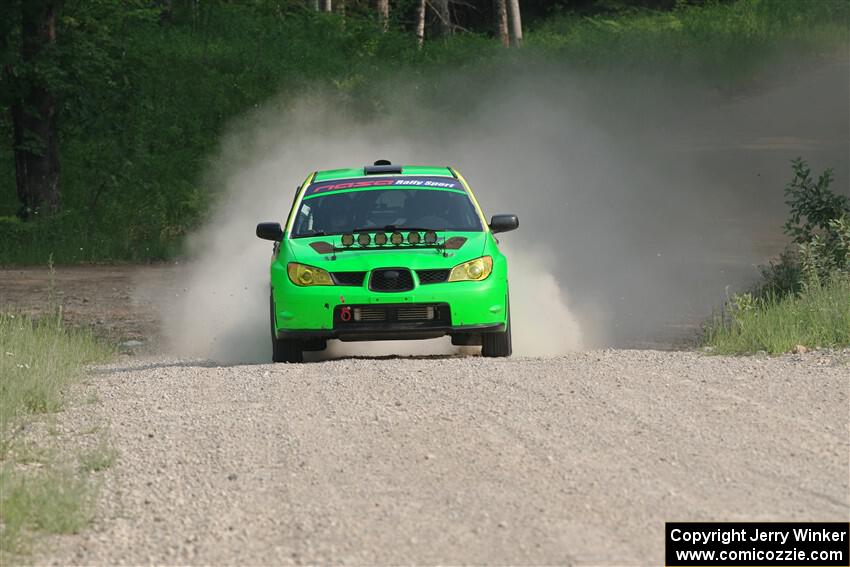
[(303, 275), (475, 270)]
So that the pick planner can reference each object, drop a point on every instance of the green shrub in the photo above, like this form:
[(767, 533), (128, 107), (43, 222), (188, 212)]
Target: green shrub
[(817, 317), (819, 229), (805, 298)]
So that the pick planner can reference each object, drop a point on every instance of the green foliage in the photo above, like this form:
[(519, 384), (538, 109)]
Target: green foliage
[(818, 226), (816, 219), (98, 459), (49, 501), (144, 102), (782, 275), (805, 298), (717, 42), (817, 317), (827, 254), (39, 358)]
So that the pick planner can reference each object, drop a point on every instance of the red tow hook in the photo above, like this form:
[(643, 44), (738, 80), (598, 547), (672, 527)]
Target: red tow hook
[(345, 313)]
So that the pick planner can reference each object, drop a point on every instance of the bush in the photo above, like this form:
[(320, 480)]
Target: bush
[(819, 226), (817, 317), (805, 296)]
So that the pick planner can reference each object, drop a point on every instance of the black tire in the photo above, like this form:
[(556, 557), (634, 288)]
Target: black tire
[(283, 350), (498, 345), (314, 345)]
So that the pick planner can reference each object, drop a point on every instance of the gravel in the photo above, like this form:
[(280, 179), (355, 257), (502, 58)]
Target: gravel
[(578, 459)]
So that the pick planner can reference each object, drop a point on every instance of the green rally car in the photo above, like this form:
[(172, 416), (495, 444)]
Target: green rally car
[(387, 252)]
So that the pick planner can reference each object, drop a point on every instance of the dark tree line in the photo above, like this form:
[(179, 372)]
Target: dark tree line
[(33, 108), (47, 45)]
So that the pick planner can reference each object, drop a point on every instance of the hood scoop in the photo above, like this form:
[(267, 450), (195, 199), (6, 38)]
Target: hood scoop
[(322, 247), (454, 243)]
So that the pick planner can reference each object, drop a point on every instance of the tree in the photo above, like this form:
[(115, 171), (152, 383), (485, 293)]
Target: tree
[(420, 23), (166, 14), (33, 110), (445, 16), (516, 22), (383, 7), (327, 6), (502, 22)]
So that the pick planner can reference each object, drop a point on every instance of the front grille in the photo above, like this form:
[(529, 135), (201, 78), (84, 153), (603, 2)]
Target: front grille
[(392, 315), (370, 314), (432, 276), (391, 279), (415, 313), (348, 278)]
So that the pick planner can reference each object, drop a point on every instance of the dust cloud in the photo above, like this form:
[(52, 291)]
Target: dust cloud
[(641, 200)]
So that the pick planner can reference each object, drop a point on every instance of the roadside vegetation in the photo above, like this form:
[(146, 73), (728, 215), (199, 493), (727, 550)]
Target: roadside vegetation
[(803, 301), (143, 96), (715, 43), (39, 491)]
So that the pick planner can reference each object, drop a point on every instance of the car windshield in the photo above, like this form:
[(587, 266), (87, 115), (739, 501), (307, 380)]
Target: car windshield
[(386, 209)]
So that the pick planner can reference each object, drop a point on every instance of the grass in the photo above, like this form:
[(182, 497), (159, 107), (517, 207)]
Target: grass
[(98, 459), (40, 358), (48, 501), (817, 317)]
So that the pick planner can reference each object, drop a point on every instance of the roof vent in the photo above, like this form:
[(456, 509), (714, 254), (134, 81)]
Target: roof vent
[(382, 166)]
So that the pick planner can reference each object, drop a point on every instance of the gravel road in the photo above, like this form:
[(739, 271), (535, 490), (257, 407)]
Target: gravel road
[(571, 460)]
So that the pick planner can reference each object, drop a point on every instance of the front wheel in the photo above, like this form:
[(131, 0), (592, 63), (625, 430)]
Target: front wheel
[(498, 345), (283, 350)]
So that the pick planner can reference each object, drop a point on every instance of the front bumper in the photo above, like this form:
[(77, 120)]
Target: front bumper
[(394, 332), (467, 307)]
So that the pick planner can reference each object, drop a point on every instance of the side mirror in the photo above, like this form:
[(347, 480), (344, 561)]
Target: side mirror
[(504, 223), (270, 231)]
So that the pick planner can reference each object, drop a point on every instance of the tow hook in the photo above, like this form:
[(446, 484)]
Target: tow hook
[(345, 313)]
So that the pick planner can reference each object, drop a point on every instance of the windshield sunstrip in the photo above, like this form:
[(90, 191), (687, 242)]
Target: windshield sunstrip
[(402, 182)]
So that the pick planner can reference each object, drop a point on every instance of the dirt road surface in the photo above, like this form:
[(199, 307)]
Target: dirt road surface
[(571, 460), (578, 459)]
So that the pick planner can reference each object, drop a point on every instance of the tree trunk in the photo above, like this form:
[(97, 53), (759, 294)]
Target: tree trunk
[(166, 11), (34, 117), (327, 6), (445, 16), (314, 4), (502, 23), (420, 23), (383, 7), (516, 22)]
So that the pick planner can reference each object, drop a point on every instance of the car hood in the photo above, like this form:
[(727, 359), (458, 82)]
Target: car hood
[(356, 259)]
